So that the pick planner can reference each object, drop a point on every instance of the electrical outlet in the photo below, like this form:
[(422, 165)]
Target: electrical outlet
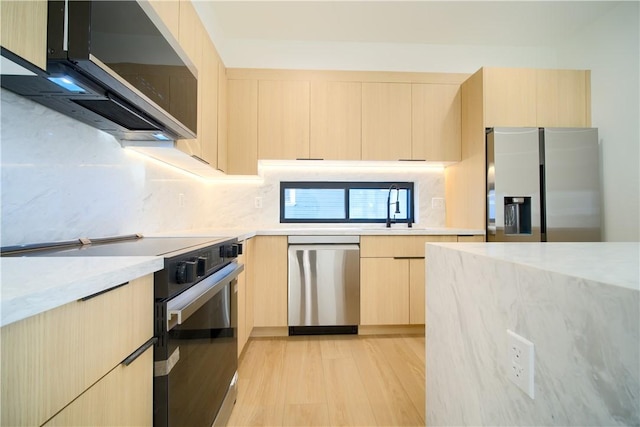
[(520, 366), (257, 202), (181, 200), (437, 203)]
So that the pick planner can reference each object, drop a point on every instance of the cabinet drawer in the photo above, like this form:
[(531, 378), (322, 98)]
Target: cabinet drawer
[(51, 358), (124, 397), (397, 246)]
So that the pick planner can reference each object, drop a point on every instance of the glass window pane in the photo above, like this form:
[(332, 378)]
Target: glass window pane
[(314, 203), (371, 203)]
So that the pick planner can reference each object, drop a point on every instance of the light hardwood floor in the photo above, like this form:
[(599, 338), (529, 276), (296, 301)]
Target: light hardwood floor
[(340, 380)]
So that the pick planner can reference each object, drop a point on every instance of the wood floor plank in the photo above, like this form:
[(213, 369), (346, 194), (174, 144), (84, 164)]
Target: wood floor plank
[(310, 414), (346, 396), (331, 380), (256, 415), (408, 368), (303, 372), (389, 400), (337, 346), (416, 344)]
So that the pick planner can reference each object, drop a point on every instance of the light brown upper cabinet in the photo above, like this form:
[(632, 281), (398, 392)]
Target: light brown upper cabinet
[(509, 97), (386, 121), (563, 98), (190, 37), (169, 13), (336, 117), (435, 124), (283, 120), (242, 127), (208, 114), (190, 32), (24, 29), (532, 97), (222, 117)]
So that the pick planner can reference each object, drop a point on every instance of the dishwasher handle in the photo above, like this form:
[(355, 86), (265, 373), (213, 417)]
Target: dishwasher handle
[(325, 247)]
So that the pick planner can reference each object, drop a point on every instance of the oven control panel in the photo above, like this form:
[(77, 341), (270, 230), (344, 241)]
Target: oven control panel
[(183, 271)]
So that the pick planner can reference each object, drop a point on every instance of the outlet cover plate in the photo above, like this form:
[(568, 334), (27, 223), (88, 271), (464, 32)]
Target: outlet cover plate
[(520, 366)]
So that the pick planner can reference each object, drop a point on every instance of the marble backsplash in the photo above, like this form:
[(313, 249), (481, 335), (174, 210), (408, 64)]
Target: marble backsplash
[(62, 179)]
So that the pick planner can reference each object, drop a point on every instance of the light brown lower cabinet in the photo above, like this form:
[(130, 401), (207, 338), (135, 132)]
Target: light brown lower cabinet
[(269, 276), (392, 279), (245, 296), (416, 291), (384, 291), (122, 397), (52, 359)]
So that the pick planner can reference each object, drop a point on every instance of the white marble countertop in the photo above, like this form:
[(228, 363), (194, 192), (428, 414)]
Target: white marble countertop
[(610, 263), (395, 230), (33, 285)]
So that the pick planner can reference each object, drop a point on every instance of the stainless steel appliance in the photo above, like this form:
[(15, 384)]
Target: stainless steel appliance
[(195, 324), (324, 284), (110, 66), (543, 185)]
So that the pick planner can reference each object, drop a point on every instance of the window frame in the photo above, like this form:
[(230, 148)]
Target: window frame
[(347, 186)]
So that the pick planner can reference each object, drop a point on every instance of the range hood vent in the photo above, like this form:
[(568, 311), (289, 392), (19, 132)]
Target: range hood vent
[(110, 66)]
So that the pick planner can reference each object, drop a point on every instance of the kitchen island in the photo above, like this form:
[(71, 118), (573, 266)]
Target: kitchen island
[(578, 303)]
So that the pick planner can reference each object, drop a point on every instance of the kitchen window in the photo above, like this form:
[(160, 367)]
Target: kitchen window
[(346, 202)]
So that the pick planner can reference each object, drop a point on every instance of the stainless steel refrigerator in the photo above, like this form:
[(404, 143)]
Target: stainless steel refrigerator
[(543, 185)]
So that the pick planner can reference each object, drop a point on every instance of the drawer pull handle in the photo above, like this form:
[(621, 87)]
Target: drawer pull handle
[(144, 347), (408, 257), (97, 294)]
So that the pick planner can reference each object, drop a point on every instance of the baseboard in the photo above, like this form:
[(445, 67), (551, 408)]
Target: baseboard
[(391, 330), (275, 331)]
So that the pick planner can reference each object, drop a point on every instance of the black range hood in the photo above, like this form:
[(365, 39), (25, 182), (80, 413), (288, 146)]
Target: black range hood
[(109, 66)]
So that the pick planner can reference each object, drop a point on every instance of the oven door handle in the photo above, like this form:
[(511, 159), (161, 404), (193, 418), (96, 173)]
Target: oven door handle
[(180, 308)]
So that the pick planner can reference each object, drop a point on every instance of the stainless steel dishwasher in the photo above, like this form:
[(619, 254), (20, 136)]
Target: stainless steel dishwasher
[(324, 284)]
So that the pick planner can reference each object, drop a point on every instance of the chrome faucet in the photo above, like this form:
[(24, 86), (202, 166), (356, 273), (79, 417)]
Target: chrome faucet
[(397, 203)]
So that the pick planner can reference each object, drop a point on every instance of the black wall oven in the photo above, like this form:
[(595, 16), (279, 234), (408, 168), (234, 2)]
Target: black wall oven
[(196, 356)]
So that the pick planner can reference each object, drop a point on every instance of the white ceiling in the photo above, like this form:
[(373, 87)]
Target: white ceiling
[(489, 23)]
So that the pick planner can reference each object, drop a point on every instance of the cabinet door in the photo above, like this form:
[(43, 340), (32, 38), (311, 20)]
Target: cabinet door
[(249, 252), (386, 121), (416, 291), (270, 281), (24, 29), (169, 13), (283, 120), (398, 246), (241, 327), (472, 239), (222, 117), (435, 122), (191, 33), (190, 36), (124, 397), (336, 115), (562, 98), (242, 127), (49, 359), (509, 97), (384, 291), (208, 83)]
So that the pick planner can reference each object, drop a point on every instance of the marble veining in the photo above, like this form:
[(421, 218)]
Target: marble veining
[(60, 280), (62, 179), (586, 333)]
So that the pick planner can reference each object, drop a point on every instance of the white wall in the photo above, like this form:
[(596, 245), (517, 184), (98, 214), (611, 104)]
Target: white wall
[(611, 50)]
